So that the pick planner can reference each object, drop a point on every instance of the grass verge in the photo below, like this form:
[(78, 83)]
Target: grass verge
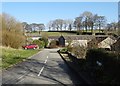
[(13, 56)]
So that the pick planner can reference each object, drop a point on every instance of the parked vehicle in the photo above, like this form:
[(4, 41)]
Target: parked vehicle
[(31, 46)]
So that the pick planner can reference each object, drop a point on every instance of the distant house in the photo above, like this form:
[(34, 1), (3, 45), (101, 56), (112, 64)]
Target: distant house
[(95, 41), (79, 42), (106, 43), (116, 45), (51, 38), (82, 40)]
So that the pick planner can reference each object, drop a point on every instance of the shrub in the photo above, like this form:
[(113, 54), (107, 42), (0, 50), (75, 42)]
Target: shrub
[(41, 44), (109, 71), (64, 50), (86, 33), (79, 51), (12, 32), (99, 33), (79, 32), (45, 40), (69, 48), (54, 44), (13, 40)]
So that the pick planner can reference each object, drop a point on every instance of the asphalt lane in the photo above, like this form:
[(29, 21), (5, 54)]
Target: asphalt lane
[(46, 67)]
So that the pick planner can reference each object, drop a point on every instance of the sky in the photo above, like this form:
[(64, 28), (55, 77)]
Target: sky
[(43, 12), (59, 0)]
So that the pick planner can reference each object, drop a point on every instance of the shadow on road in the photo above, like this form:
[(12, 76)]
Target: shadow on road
[(61, 73), (55, 70)]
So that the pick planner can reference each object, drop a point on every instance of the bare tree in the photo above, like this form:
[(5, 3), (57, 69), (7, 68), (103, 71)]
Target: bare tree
[(49, 25), (108, 27), (87, 19), (114, 25), (33, 26), (26, 27), (100, 22), (78, 23), (70, 23), (118, 28), (40, 27), (60, 22), (65, 24), (56, 24)]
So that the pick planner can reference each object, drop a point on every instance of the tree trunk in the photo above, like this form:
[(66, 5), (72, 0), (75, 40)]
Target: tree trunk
[(92, 29), (99, 28), (86, 28)]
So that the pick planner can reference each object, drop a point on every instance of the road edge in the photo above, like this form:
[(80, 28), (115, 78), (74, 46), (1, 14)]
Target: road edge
[(87, 82)]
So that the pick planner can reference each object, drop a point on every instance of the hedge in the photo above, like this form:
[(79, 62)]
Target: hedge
[(108, 72)]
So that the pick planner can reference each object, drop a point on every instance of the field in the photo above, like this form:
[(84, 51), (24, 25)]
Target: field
[(46, 33), (66, 33), (12, 56), (57, 33)]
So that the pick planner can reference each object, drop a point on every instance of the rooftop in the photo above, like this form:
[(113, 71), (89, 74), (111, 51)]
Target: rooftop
[(79, 37)]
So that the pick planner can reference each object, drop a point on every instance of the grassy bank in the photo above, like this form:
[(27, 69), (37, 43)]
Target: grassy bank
[(12, 56)]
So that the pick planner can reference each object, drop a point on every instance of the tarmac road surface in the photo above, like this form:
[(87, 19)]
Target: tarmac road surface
[(46, 67)]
